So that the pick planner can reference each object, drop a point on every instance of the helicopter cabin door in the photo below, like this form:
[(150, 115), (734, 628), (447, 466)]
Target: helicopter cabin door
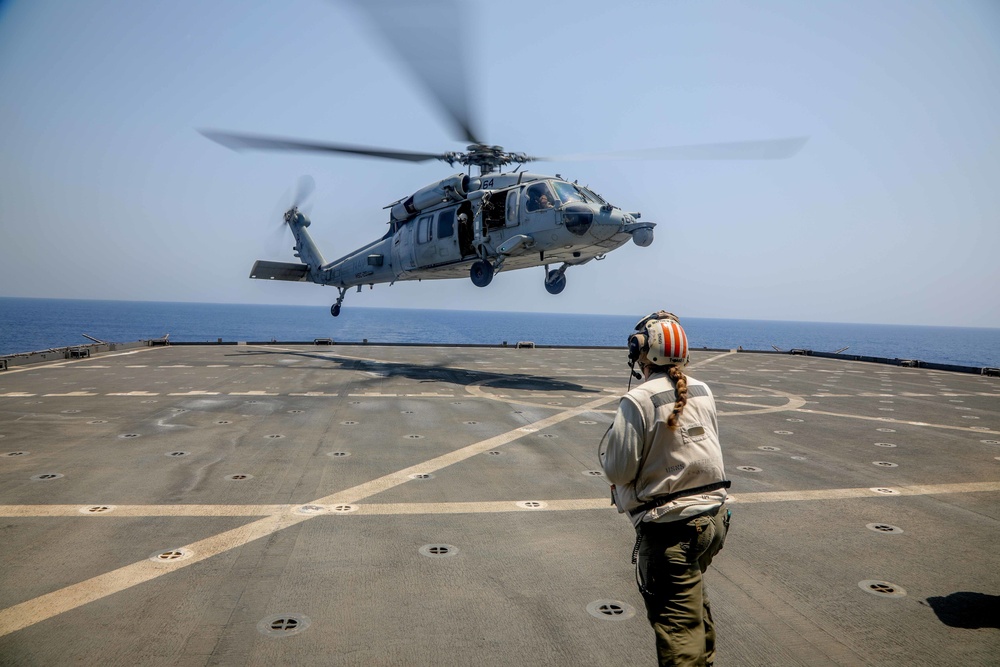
[(437, 242), (403, 247), (425, 247)]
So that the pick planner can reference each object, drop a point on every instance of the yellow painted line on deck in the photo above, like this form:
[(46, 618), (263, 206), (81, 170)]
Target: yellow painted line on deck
[(473, 507), (71, 597), (9, 511)]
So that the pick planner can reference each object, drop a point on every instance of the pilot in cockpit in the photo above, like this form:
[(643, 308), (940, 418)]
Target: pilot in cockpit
[(539, 198)]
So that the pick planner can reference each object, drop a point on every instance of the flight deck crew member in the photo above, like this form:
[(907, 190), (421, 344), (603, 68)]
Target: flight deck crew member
[(663, 459)]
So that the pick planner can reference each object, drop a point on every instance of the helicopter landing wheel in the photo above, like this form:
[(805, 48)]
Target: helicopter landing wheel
[(335, 309), (555, 281), (481, 273)]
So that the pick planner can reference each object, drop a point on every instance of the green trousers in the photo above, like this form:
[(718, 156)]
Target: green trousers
[(672, 560)]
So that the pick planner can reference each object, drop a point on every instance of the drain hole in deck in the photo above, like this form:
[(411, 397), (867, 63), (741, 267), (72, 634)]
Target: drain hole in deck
[(882, 588), (97, 509), (283, 625), (438, 550), (610, 610), (171, 555), (884, 528)]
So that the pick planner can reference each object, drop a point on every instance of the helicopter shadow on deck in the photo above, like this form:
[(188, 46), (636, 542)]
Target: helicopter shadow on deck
[(380, 370), (966, 609)]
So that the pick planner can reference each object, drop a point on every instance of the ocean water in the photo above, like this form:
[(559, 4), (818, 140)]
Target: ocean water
[(36, 324)]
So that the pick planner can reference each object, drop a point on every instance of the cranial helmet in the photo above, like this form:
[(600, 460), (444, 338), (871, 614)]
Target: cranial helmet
[(662, 338)]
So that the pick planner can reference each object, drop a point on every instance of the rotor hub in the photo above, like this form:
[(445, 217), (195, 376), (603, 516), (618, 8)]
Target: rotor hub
[(487, 158)]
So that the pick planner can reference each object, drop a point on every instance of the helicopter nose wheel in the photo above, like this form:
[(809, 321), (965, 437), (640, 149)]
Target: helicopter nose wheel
[(555, 281), (481, 273)]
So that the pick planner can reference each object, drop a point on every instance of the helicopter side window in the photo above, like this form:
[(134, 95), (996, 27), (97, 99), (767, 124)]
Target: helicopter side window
[(446, 224), (539, 197), (424, 232)]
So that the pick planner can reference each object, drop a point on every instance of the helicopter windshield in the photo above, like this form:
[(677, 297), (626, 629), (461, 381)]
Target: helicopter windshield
[(591, 195), (567, 192)]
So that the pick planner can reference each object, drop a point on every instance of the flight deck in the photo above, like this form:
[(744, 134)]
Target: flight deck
[(413, 505)]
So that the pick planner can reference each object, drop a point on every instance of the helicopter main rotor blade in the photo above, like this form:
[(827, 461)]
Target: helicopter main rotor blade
[(239, 142), (769, 149), (429, 38)]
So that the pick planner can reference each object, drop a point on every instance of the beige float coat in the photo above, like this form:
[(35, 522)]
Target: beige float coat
[(645, 459)]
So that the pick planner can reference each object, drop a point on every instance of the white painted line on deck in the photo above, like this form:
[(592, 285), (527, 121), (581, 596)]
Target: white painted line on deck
[(474, 507), (71, 597), (890, 420), (52, 604)]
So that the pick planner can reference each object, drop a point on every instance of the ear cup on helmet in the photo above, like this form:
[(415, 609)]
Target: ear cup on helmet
[(636, 343)]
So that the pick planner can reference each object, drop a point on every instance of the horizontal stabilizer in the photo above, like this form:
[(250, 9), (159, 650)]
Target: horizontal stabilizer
[(264, 270)]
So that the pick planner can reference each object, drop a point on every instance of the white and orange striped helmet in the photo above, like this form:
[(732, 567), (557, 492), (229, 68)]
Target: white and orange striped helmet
[(662, 338)]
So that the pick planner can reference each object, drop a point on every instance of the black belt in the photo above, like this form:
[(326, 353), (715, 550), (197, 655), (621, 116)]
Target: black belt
[(660, 501)]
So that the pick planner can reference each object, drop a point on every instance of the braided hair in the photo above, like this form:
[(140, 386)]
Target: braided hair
[(681, 390), (679, 380)]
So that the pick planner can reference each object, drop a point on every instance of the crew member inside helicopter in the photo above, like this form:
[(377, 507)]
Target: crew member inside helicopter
[(539, 197)]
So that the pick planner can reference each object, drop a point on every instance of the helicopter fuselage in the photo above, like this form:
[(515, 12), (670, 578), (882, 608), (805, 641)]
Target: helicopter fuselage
[(503, 221)]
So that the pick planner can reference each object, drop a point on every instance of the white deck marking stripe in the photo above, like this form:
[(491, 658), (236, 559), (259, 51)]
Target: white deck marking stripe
[(59, 363), (52, 604), (479, 507), (889, 420)]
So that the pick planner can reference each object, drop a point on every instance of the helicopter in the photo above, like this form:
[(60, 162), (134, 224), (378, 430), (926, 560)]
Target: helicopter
[(465, 225)]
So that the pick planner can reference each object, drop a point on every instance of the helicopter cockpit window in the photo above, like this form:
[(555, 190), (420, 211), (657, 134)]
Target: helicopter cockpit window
[(446, 224), (424, 233), (567, 192), (540, 197), (592, 195)]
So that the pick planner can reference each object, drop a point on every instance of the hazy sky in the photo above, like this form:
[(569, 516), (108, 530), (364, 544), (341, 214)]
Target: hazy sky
[(888, 215)]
